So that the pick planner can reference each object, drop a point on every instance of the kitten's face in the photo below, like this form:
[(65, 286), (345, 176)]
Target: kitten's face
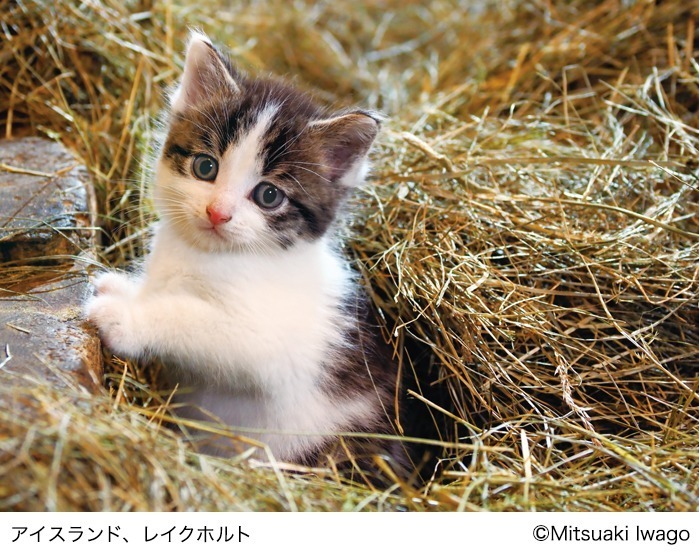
[(253, 164)]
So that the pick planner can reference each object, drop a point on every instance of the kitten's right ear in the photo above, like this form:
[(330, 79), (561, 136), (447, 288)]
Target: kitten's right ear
[(204, 71), (345, 139)]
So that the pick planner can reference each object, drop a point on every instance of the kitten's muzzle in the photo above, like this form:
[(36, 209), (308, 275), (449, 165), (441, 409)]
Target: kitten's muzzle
[(217, 217)]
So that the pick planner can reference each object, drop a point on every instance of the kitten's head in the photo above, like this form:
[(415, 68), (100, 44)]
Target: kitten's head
[(254, 164)]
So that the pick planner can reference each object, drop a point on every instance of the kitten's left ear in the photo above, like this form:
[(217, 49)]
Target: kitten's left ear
[(205, 71), (345, 140)]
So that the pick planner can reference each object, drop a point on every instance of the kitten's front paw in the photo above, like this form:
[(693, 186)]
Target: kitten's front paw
[(115, 283), (113, 316)]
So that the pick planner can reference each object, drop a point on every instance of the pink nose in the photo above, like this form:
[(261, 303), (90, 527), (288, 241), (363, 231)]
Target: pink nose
[(217, 217)]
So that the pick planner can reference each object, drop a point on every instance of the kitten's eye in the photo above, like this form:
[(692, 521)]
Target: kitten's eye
[(267, 196), (205, 167)]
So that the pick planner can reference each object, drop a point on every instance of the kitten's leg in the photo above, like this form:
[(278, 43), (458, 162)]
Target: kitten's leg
[(182, 326), (108, 310), (116, 283)]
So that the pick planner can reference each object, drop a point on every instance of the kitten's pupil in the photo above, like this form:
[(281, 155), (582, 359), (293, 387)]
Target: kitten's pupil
[(205, 167), (267, 196)]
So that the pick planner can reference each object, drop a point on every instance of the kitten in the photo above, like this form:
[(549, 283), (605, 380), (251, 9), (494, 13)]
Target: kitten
[(245, 293)]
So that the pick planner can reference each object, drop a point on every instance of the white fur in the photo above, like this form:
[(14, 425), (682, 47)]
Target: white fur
[(248, 327), (249, 332)]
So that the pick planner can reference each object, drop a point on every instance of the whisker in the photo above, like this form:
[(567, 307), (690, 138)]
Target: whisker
[(312, 172), (280, 150)]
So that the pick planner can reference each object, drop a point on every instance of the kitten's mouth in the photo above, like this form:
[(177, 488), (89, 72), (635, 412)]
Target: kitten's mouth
[(220, 237), (214, 230)]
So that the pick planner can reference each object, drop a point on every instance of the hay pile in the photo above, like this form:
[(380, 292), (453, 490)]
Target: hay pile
[(531, 238)]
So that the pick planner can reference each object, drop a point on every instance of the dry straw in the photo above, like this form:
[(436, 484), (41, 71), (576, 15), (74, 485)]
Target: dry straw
[(530, 238)]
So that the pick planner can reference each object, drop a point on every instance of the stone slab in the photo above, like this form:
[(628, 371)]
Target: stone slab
[(46, 243), (43, 334), (45, 198)]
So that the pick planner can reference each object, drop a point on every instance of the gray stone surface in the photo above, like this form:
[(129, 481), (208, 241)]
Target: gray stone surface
[(45, 200), (46, 242), (46, 336)]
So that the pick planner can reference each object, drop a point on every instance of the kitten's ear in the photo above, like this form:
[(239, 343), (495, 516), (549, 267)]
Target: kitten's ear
[(204, 72), (346, 140)]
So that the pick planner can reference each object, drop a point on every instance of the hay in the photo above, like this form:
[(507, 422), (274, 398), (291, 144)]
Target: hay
[(68, 451), (530, 237)]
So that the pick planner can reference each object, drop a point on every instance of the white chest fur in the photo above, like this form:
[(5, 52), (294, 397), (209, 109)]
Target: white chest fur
[(270, 312), (251, 336)]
